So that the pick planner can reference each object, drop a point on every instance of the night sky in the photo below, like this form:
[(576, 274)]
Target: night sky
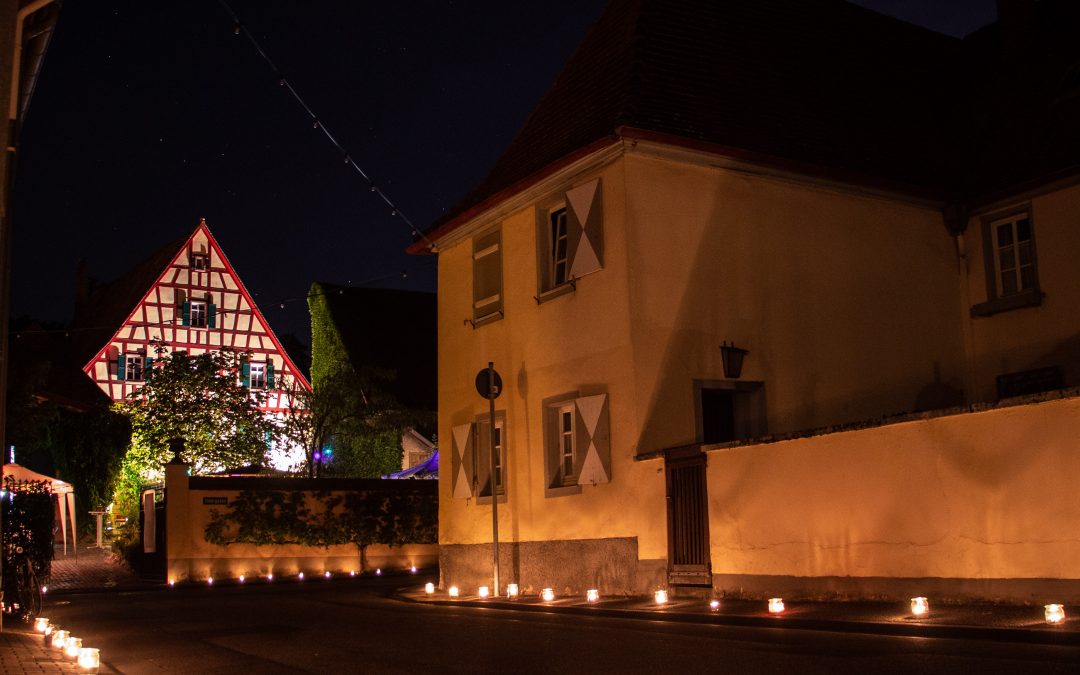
[(151, 114)]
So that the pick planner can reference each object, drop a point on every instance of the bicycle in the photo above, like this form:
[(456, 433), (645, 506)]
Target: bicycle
[(26, 599)]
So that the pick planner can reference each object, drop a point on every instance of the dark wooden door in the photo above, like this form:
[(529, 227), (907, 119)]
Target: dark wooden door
[(688, 517)]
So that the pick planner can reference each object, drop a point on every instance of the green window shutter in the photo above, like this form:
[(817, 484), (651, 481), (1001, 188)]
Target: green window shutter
[(269, 439), (121, 366), (185, 318), (269, 374), (245, 374), (148, 363), (211, 315)]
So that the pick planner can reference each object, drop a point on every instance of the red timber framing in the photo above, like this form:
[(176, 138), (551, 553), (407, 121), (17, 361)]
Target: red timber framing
[(198, 304)]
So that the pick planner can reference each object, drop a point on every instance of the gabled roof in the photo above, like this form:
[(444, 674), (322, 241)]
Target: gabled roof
[(821, 87), (387, 329), (123, 297)]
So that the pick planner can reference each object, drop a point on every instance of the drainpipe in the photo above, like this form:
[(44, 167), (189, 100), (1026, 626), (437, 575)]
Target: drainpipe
[(956, 217)]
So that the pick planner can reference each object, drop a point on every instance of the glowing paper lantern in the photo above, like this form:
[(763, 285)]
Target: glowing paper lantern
[(352, 573), (270, 577), (172, 582), (919, 606), (327, 574), (378, 571), (210, 581), (59, 639), (241, 578), (548, 594), (714, 605), (300, 576), (413, 569), (89, 659), (660, 596), (72, 647), (453, 591), (48, 634), (592, 595), (429, 588), (512, 591), (776, 605), (41, 623), (484, 591), (1054, 613)]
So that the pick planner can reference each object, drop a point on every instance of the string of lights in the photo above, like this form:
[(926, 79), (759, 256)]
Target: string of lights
[(239, 28)]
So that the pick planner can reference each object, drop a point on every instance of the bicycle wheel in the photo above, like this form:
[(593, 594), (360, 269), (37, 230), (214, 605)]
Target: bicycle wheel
[(29, 591)]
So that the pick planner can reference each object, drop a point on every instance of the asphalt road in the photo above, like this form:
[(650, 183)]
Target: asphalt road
[(352, 626)]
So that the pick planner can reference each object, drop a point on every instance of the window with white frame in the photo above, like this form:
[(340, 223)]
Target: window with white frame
[(1012, 278), (558, 261), (197, 314), (1014, 247), (257, 376), (483, 444), (577, 448)]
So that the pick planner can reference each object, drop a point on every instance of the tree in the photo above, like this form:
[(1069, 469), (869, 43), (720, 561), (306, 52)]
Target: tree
[(200, 399), (347, 426)]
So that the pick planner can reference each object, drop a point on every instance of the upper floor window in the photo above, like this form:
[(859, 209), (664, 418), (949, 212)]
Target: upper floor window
[(1015, 254), (576, 443), (200, 261), (557, 260), (1012, 279), (571, 239), (200, 313), (132, 366), (487, 277), (258, 376), (197, 314)]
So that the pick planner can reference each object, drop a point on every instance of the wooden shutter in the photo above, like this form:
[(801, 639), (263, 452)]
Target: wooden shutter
[(245, 374), (584, 229), (185, 314), (487, 274), (462, 469), (148, 362), (269, 374), (211, 315), (121, 367), (593, 439)]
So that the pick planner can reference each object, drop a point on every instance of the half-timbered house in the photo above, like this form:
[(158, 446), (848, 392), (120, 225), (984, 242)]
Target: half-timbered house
[(195, 302)]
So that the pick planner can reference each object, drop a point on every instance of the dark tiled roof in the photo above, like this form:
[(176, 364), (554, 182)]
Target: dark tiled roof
[(392, 330), (107, 306), (818, 85)]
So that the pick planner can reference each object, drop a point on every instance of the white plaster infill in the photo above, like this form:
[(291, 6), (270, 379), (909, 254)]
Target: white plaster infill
[(900, 418)]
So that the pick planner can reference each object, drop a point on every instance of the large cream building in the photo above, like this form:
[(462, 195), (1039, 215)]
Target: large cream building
[(829, 194)]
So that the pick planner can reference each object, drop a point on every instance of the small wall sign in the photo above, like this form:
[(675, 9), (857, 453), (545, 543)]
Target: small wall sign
[(215, 501)]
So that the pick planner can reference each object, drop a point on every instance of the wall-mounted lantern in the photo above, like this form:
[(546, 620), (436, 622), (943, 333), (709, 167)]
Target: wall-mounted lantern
[(732, 357)]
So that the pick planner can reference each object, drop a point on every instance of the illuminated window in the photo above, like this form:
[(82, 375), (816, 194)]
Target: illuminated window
[(133, 367), (258, 376), (198, 314)]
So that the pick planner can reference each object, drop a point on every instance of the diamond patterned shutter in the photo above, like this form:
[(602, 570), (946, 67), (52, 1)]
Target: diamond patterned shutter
[(584, 229), (593, 438), (461, 468)]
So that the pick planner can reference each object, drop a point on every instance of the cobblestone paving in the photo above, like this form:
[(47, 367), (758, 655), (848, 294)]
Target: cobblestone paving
[(24, 652), (88, 568)]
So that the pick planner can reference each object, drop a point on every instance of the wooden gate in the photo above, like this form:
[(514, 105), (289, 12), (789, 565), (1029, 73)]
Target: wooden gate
[(689, 563), (153, 560)]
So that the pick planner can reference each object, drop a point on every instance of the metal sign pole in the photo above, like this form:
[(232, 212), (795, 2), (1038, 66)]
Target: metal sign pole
[(494, 486)]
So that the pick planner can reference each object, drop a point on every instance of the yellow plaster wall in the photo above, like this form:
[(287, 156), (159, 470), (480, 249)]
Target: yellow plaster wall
[(987, 495), (848, 303), (576, 342), (1031, 337)]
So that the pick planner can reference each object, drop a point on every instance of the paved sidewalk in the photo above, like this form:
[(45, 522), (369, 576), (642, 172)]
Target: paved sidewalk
[(89, 568), (1007, 623), (22, 651)]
